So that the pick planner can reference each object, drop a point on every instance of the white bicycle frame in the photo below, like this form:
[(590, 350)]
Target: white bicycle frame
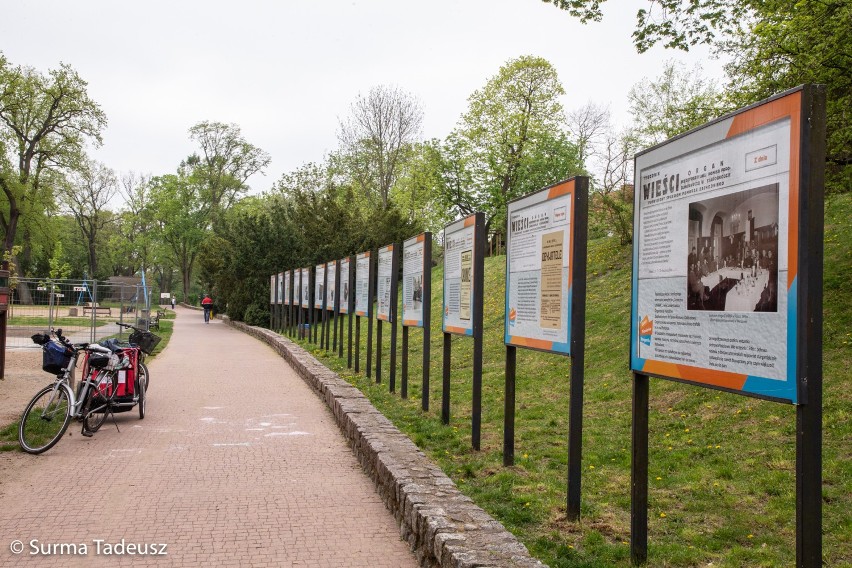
[(76, 405)]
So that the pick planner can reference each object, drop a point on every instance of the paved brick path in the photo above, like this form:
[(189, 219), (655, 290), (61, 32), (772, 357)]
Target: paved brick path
[(236, 463)]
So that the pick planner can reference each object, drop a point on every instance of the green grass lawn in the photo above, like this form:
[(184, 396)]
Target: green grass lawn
[(721, 465)]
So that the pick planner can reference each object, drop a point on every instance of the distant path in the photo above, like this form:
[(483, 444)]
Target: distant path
[(237, 463)]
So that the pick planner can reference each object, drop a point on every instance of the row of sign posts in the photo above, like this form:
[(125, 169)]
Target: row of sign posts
[(743, 314)]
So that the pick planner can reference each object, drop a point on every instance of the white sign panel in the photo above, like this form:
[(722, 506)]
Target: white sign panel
[(458, 277), (712, 251), (272, 289), (413, 253), (287, 288), (331, 285), (319, 285), (306, 287), (383, 287), (362, 284), (280, 287), (537, 277), (344, 286)]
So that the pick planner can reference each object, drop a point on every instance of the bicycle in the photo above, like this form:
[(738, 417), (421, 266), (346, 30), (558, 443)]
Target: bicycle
[(48, 414)]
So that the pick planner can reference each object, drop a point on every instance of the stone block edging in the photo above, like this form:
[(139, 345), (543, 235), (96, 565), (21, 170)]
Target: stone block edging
[(442, 526)]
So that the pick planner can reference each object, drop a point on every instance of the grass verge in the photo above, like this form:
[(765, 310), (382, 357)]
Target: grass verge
[(722, 466)]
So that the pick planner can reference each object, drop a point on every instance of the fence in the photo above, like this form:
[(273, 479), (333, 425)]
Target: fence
[(85, 310)]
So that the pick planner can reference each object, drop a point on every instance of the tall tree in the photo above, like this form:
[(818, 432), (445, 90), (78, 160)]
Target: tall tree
[(672, 103), (181, 219), (86, 195), (772, 45), (587, 125), (45, 122), (376, 137), (511, 138), (226, 162)]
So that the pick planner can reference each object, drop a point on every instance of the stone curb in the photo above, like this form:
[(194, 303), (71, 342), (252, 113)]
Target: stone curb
[(442, 526)]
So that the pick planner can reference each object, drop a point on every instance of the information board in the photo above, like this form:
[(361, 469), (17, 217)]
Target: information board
[(272, 289), (306, 288), (413, 285), (362, 284), (384, 283), (331, 285), (344, 285), (319, 285), (538, 270), (715, 253), (287, 288), (458, 277), (280, 297)]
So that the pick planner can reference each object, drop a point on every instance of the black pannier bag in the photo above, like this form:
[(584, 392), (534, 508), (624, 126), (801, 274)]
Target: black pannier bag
[(55, 357)]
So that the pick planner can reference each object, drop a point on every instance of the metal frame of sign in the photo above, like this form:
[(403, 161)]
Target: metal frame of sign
[(777, 143), (423, 240), (362, 259), (285, 302), (455, 236), (388, 255), (568, 198)]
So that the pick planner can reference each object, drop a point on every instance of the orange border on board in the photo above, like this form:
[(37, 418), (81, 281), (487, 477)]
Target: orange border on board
[(788, 106)]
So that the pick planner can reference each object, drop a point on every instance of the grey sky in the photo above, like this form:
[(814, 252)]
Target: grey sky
[(286, 71)]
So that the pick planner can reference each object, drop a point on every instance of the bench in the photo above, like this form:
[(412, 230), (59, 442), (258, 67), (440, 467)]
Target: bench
[(97, 309)]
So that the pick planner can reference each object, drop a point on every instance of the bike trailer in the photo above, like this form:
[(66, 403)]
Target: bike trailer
[(126, 377)]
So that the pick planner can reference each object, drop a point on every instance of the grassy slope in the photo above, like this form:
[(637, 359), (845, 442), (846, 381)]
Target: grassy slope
[(722, 466)]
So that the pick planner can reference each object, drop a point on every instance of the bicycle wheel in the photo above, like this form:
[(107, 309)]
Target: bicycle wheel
[(45, 419), (92, 421), (143, 372), (141, 387)]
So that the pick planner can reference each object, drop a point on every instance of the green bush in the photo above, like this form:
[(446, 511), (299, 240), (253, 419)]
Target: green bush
[(257, 315)]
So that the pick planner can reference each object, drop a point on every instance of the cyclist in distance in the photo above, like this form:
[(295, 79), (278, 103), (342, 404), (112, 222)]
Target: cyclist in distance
[(207, 304)]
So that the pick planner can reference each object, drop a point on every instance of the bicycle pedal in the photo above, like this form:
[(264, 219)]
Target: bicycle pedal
[(87, 433)]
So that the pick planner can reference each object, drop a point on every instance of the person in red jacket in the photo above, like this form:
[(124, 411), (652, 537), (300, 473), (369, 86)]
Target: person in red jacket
[(207, 304)]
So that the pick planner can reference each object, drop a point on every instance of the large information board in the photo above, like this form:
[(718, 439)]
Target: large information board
[(344, 285), (716, 253), (306, 288), (362, 284), (330, 285), (280, 297), (319, 285), (458, 277), (287, 288), (413, 284), (539, 253), (272, 289), (384, 284)]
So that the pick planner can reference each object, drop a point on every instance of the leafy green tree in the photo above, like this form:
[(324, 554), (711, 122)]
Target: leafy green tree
[(86, 195), (511, 139), (794, 43), (181, 221), (45, 123), (672, 103), (376, 139), (226, 162), (772, 46)]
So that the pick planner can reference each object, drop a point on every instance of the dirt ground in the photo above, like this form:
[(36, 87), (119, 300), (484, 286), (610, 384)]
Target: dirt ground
[(23, 378)]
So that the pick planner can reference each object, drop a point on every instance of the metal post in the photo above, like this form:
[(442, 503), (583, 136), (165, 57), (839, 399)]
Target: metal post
[(404, 391), (378, 351), (639, 472), (509, 407), (427, 317), (357, 342), (445, 391), (478, 304), (394, 312)]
